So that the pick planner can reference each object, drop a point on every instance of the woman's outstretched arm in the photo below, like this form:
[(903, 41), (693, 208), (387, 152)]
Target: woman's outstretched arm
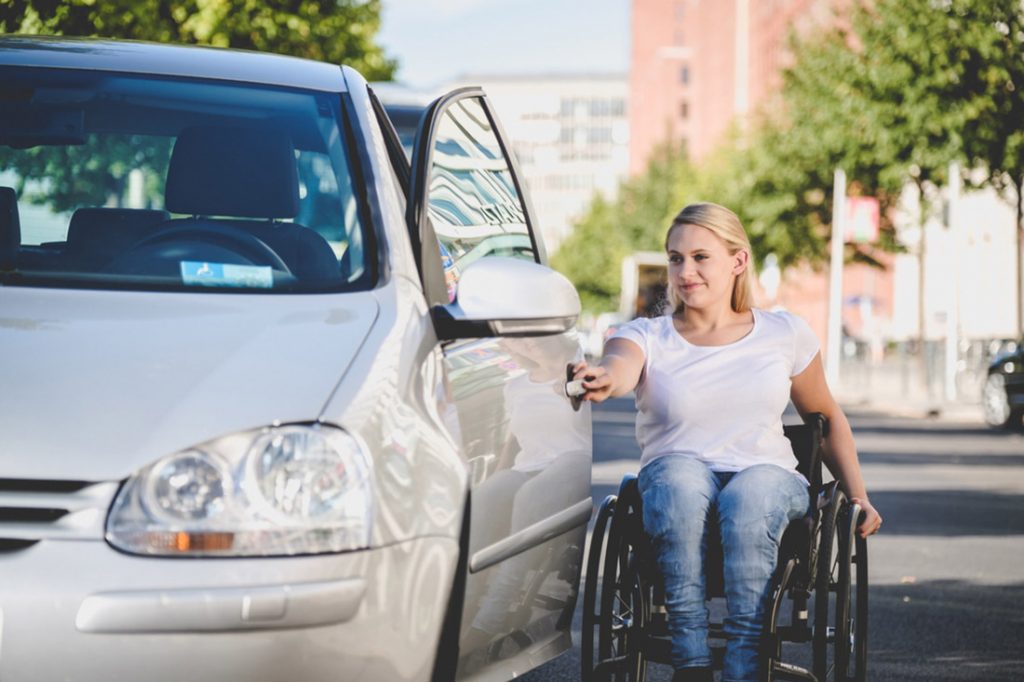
[(615, 375)]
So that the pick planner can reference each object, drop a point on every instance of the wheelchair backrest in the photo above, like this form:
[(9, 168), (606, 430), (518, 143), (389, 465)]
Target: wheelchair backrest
[(807, 441)]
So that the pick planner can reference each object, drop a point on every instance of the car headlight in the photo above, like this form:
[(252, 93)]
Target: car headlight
[(278, 491)]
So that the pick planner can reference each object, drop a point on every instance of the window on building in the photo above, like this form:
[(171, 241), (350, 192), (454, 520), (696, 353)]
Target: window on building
[(600, 107), (684, 110), (602, 153), (684, 75), (602, 135), (553, 182)]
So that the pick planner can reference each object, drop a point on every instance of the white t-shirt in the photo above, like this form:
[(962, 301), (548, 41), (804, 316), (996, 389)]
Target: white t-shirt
[(723, 404)]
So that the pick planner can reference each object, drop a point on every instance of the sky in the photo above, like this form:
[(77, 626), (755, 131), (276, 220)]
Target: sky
[(435, 41)]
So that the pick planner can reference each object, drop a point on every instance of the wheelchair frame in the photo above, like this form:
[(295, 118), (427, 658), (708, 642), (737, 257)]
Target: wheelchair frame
[(625, 623)]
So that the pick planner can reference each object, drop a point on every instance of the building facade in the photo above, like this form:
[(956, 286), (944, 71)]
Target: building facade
[(700, 67), (571, 137)]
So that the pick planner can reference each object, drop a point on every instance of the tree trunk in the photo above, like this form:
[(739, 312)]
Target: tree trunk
[(921, 281), (1019, 328)]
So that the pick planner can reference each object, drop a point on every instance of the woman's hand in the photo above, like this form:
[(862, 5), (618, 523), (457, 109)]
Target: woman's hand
[(872, 519), (596, 382), (616, 375)]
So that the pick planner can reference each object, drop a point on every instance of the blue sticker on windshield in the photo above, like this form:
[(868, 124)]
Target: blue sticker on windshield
[(227, 275)]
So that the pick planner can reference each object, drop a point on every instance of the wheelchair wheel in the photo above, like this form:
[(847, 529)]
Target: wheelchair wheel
[(591, 615), (859, 605), (841, 591), (618, 615)]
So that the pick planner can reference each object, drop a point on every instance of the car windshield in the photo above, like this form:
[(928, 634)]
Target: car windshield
[(124, 181)]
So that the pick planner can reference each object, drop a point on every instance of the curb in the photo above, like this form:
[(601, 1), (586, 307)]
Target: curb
[(938, 411)]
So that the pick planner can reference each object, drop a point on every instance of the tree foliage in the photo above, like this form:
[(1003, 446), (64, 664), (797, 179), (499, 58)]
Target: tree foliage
[(80, 174), (906, 86), (336, 31)]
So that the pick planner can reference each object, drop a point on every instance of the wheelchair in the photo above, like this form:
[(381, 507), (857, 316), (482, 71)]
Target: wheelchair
[(822, 560)]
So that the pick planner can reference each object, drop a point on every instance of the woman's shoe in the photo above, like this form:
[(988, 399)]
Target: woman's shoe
[(693, 675)]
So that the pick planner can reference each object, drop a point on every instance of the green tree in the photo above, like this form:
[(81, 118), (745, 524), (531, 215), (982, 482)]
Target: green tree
[(904, 87), (991, 51), (336, 31), (589, 255)]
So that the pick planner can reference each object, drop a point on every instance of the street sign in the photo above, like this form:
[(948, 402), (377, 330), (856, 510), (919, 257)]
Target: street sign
[(861, 220)]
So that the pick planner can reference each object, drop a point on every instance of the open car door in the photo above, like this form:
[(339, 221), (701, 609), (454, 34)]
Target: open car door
[(507, 325)]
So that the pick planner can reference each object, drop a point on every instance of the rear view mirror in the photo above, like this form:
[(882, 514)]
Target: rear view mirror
[(500, 296), (22, 127)]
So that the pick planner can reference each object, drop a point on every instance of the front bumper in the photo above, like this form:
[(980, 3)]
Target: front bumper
[(81, 611)]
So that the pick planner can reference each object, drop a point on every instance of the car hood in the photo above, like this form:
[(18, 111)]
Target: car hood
[(96, 384)]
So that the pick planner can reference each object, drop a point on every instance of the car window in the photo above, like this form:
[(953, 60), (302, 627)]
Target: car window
[(474, 205), (127, 181)]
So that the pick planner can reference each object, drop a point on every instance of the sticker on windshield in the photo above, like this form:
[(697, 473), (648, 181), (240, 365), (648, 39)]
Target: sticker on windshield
[(227, 275)]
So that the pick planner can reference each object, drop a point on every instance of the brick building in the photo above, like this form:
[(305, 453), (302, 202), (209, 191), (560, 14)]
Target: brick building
[(698, 66)]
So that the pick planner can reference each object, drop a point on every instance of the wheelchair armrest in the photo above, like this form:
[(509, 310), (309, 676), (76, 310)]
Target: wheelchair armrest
[(819, 422)]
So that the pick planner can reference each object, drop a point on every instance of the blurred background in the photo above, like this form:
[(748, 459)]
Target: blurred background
[(622, 111), (897, 125), (874, 149)]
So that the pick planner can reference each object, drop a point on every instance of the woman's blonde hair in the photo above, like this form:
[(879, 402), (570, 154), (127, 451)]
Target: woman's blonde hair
[(725, 225)]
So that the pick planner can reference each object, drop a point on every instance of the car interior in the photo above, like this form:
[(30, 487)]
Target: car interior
[(136, 182)]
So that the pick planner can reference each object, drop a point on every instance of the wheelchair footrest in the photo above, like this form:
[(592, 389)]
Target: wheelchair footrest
[(787, 671), (608, 667), (794, 633)]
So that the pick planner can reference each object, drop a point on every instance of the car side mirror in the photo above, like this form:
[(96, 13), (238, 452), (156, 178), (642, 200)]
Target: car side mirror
[(499, 296)]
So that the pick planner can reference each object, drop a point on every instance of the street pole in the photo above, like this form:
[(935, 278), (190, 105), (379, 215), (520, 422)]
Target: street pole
[(953, 302), (834, 339)]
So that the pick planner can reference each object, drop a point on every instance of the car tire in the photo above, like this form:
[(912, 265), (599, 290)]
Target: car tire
[(995, 402)]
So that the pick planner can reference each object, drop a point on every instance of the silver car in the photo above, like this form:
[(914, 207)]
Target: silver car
[(274, 403)]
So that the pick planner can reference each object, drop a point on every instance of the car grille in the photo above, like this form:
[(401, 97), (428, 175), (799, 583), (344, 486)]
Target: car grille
[(35, 510)]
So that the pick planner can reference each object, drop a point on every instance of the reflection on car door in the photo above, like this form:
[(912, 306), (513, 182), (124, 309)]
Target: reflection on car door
[(528, 451)]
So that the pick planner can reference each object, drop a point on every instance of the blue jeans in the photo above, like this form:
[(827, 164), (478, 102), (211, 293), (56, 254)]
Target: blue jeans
[(683, 501)]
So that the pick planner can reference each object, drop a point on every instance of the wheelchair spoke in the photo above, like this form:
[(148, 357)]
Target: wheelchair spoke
[(624, 614)]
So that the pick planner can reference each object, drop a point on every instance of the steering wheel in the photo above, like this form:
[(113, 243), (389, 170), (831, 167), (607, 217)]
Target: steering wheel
[(223, 235)]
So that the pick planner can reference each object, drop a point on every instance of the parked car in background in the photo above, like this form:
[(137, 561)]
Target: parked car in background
[(277, 404), (599, 329), (1003, 393), (405, 107)]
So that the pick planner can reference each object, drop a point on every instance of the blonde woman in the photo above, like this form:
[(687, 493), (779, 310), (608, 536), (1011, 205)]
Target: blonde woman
[(712, 379)]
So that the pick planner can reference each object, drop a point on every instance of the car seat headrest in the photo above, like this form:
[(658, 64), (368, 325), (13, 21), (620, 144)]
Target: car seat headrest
[(10, 223), (238, 172)]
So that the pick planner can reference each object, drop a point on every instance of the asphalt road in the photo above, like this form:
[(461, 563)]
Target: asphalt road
[(947, 573)]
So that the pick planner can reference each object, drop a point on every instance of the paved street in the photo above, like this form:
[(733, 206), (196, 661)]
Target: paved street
[(947, 573)]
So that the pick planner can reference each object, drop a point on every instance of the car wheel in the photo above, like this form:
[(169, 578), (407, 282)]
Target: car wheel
[(996, 402)]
